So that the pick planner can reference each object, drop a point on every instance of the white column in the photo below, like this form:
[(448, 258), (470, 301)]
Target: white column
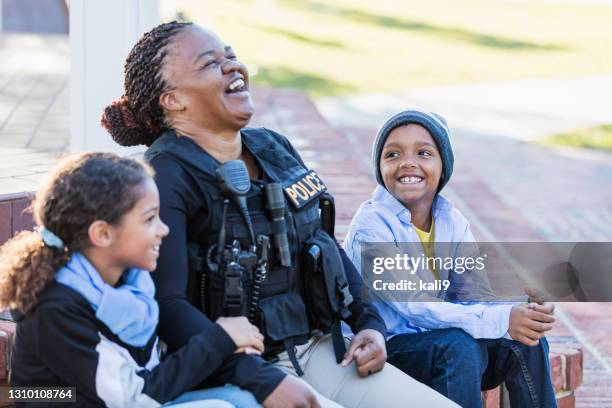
[(102, 32)]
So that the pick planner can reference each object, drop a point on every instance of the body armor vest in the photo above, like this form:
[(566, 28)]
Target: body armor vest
[(290, 302)]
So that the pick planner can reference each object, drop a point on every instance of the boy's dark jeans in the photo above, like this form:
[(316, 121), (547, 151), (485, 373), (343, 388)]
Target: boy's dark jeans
[(458, 366)]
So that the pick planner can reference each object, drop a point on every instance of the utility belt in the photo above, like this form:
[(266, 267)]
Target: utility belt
[(234, 278)]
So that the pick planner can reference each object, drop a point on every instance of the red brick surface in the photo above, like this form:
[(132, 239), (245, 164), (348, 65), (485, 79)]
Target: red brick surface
[(556, 372), (567, 401), (499, 218), (573, 366)]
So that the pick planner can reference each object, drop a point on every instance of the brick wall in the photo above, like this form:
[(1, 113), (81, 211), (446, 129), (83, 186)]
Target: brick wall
[(14, 214)]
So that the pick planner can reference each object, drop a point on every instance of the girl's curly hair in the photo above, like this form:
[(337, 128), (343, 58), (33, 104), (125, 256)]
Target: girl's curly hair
[(137, 118), (84, 188)]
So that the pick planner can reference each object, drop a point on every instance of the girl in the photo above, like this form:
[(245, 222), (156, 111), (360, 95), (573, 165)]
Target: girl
[(84, 301)]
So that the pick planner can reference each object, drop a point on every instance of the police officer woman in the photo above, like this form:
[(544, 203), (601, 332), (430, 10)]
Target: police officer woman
[(259, 250)]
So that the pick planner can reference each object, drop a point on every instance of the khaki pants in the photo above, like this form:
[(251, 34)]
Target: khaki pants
[(338, 386)]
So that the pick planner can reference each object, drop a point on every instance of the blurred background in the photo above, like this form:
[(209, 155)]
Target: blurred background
[(337, 47), (526, 87)]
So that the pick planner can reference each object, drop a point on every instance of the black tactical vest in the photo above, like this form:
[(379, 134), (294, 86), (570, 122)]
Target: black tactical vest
[(312, 294)]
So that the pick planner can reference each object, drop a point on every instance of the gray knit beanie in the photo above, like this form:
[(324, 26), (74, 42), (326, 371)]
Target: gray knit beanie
[(435, 125)]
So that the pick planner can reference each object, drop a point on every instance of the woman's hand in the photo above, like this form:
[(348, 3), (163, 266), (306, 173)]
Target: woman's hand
[(369, 351), (529, 322), (247, 337), (291, 393)]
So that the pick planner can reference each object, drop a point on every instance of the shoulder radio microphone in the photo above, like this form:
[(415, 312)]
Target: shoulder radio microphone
[(235, 183)]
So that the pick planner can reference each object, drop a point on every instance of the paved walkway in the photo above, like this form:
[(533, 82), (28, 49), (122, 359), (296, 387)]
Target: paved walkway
[(34, 107), (567, 189), (563, 193)]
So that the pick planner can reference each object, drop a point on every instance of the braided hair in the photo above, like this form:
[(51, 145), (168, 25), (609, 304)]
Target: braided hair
[(137, 118), (84, 188)]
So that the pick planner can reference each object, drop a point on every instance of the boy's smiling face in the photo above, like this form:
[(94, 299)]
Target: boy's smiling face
[(411, 166)]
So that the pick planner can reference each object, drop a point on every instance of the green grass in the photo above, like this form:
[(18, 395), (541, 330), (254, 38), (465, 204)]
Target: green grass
[(599, 137), (330, 47)]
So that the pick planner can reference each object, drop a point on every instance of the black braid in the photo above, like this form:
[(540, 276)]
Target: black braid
[(143, 78)]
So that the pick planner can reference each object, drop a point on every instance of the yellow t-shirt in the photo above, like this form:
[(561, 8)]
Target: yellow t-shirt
[(427, 241)]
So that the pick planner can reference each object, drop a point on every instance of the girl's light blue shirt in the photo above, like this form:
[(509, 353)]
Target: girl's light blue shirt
[(384, 219)]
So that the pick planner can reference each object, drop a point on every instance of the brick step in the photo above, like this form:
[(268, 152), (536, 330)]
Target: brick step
[(566, 365)]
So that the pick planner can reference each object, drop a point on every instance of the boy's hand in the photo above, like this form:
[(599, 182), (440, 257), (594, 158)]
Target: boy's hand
[(369, 351), (291, 393), (548, 308), (528, 325), (535, 295)]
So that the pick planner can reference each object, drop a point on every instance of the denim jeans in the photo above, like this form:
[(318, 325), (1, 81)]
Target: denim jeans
[(459, 366), (230, 393)]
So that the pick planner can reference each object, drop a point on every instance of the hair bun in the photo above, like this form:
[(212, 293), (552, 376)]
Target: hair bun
[(119, 120)]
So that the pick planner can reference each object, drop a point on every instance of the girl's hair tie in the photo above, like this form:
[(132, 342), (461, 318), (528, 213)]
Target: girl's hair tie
[(50, 239)]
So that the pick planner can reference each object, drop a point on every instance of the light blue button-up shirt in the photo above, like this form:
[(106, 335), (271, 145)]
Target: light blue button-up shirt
[(384, 219)]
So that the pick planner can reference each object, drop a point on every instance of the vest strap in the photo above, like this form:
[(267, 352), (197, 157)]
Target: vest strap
[(290, 349), (338, 341), (234, 296)]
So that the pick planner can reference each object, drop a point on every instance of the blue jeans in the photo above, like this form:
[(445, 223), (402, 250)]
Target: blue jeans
[(459, 366), (229, 393)]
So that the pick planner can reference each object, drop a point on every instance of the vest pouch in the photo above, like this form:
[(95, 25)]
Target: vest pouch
[(325, 284), (283, 317)]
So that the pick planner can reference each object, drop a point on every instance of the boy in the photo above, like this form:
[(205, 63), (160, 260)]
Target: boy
[(457, 349)]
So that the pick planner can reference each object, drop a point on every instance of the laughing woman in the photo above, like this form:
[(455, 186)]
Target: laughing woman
[(187, 98)]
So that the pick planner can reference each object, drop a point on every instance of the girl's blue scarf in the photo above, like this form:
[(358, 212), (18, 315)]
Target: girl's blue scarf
[(130, 310)]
